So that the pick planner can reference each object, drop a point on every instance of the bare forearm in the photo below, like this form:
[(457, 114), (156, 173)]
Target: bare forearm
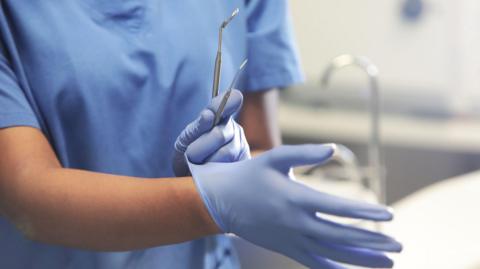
[(259, 119), (106, 212)]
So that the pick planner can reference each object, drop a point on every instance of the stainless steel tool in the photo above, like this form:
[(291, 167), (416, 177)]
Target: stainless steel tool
[(218, 113), (218, 58)]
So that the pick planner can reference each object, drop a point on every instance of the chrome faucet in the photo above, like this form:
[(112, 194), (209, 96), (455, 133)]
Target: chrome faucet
[(346, 159), (375, 166)]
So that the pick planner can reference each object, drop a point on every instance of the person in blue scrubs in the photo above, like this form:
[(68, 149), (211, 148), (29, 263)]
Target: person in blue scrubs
[(96, 96), (106, 86)]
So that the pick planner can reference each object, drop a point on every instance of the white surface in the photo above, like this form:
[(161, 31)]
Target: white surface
[(440, 226), (350, 126)]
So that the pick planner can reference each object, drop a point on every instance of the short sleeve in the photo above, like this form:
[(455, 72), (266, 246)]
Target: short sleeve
[(273, 60), (14, 107)]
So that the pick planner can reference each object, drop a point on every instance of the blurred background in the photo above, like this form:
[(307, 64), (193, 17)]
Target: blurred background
[(428, 57), (428, 60)]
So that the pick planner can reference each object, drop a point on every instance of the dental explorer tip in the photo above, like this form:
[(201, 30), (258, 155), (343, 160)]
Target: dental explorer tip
[(243, 64), (227, 21), (235, 12)]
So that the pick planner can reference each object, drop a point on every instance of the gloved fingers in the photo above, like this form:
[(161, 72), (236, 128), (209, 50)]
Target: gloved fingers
[(285, 157), (235, 150), (204, 146), (316, 262), (315, 201), (234, 103), (355, 256), (194, 130), (336, 233), (204, 121), (226, 154)]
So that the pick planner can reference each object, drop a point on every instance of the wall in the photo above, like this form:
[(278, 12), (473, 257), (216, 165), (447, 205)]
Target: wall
[(438, 53)]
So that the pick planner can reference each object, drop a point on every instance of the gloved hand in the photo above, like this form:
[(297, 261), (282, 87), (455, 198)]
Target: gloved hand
[(260, 201), (201, 143)]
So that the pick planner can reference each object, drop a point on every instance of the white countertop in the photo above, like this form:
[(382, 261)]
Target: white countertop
[(439, 226), (350, 126)]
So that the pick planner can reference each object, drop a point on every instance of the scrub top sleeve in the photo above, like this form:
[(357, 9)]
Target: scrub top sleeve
[(273, 60), (14, 107)]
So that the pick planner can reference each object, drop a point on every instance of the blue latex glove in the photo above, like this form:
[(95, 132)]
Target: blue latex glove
[(260, 201), (201, 143)]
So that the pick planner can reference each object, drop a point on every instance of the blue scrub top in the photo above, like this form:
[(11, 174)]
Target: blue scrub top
[(111, 83)]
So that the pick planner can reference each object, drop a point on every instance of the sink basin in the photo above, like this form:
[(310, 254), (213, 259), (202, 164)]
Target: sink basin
[(439, 226)]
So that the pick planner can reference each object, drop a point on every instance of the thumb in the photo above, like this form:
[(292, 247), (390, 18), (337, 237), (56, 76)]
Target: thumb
[(234, 103), (285, 157)]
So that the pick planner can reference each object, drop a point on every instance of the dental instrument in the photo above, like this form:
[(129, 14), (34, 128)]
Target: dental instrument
[(374, 152), (219, 112), (218, 58)]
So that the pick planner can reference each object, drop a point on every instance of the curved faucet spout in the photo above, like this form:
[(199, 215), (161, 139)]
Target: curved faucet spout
[(374, 152)]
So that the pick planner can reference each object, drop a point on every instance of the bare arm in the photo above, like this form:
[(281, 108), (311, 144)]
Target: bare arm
[(90, 210), (259, 119)]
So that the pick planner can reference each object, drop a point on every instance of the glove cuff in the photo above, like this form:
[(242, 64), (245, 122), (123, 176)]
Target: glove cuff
[(196, 175)]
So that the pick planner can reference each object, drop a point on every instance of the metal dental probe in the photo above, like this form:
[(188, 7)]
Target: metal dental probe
[(218, 59), (218, 114)]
